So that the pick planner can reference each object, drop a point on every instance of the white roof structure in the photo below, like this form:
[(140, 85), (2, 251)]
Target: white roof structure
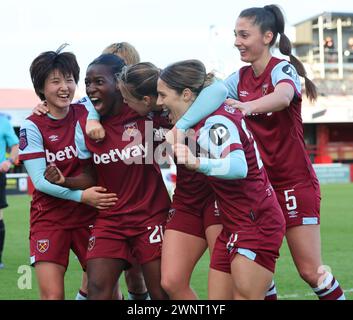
[(328, 109)]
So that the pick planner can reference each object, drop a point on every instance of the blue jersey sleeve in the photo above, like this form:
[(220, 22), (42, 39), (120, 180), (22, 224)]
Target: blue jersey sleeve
[(36, 168), (218, 135), (232, 85), (233, 166), (92, 113), (32, 140), (225, 158), (83, 152), (284, 71), (208, 101)]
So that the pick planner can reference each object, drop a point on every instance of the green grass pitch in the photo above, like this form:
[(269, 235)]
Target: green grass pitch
[(336, 234)]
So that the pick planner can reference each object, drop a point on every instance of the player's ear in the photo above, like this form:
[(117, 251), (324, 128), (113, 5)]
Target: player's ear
[(146, 100), (268, 36), (187, 94)]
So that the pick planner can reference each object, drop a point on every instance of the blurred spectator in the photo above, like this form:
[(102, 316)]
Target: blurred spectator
[(8, 139), (329, 44)]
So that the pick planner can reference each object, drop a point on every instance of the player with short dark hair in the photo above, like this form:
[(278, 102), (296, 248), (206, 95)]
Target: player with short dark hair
[(59, 217)]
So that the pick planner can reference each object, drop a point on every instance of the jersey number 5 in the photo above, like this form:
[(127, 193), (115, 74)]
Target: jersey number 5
[(291, 201)]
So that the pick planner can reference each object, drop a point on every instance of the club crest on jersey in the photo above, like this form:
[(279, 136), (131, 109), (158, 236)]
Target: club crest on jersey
[(171, 214), (91, 243), (131, 129), (229, 109), (42, 245), (264, 89), (23, 139)]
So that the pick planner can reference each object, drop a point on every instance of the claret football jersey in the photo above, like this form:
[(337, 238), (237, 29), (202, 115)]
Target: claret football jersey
[(279, 135), (44, 137), (192, 188), (125, 163), (220, 133)]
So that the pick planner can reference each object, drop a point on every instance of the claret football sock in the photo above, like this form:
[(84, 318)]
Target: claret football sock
[(271, 294), (329, 289), (81, 295)]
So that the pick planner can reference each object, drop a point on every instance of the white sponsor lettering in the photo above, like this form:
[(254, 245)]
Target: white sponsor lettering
[(114, 155), (68, 153)]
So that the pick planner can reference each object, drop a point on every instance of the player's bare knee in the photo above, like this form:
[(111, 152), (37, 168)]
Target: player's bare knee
[(310, 276), (97, 289), (157, 293), (173, 284), (135, 282)]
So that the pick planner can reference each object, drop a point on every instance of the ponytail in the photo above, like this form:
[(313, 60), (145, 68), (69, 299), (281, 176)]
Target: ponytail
[(271, 18), (310, 87)]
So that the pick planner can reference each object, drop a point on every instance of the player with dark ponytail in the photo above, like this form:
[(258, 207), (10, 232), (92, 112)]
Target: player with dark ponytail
[(268, 92)]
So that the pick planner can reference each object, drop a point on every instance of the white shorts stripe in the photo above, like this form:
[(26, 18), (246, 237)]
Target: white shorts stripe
[(310, 221), (247, 253)]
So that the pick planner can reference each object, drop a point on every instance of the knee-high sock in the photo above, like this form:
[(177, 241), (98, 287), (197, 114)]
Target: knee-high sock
[(329, 289), (271, 293), (81, 295)]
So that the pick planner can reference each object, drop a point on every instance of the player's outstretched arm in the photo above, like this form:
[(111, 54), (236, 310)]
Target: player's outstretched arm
[(95, 130), (82, 181), (208, 101)]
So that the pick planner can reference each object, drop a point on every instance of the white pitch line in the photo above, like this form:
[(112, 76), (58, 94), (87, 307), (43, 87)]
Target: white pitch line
[(296, 295)]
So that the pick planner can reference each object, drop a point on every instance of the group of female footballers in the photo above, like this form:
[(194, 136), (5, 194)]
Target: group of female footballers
[(244, 180)]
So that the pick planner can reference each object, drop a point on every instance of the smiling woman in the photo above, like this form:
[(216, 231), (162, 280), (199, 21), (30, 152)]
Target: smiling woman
[(59, 91), (56, 224), (229, 161), (268, 92), (132, 229), (101, 85), (54, 78)]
